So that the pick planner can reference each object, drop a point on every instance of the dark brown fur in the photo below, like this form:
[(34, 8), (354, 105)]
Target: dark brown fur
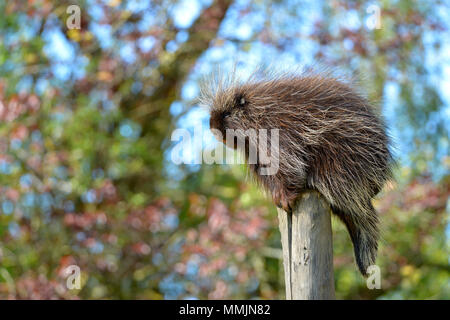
[(331, 140)]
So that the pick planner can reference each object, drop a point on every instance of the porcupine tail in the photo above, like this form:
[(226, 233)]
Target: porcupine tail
[(363, 228)]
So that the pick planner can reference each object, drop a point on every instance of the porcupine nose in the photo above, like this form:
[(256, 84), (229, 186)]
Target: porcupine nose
[(217, 121), (213, 123)]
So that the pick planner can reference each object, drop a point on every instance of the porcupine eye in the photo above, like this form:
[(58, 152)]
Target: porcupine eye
[(240, 101)]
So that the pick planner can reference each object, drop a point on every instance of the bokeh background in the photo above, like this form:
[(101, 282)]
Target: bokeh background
[(86, 176)]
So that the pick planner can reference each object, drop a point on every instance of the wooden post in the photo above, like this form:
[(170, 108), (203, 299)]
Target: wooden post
[(307, 244)]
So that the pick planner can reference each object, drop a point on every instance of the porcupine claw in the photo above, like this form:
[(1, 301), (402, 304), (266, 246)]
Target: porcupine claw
[(283, 200)]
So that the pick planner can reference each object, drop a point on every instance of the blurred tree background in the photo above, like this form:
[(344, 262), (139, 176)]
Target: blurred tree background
[(86, 176)]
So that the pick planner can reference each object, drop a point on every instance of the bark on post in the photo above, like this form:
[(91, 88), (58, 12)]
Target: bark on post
[(308, 249)]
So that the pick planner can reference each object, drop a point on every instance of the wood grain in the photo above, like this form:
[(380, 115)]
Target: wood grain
[(306, 238)]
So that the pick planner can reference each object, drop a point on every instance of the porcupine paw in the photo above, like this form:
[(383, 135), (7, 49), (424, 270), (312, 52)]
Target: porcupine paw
[(284, 200)]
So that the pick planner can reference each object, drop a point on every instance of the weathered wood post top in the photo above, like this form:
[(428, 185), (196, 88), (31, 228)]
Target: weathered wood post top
[(306, 239)]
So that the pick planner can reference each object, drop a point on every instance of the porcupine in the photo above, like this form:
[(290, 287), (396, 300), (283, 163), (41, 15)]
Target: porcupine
[(331, 139)]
